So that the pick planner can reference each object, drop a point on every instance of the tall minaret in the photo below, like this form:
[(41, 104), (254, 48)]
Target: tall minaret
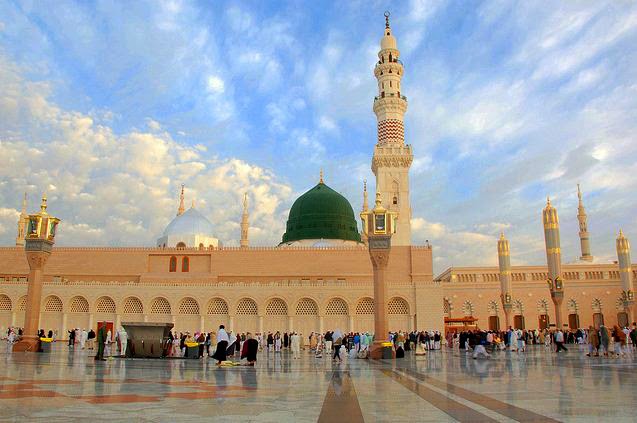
[(392, 157), (583, 229), (626, 275), (553, 258), (244, 222), (181, 208), (506, 287), (365, 210), (22, 223)]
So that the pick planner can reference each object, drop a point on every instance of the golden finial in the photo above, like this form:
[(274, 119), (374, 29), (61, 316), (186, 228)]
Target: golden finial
[(502, 235), (245, 201), (621, 233), (548, 201), (321, 177), (43, 204), (364, 185), (386, 18), (378, 199), (579, 193)]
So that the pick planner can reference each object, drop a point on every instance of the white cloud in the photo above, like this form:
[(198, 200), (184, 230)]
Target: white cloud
[(215, 85)]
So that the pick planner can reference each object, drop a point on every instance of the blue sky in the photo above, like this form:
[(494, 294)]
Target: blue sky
[(110, 106)]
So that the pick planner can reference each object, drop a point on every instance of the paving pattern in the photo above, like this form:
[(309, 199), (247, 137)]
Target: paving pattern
[(538, 386)]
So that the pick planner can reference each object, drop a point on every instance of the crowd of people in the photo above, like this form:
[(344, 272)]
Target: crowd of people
[(222, 345)]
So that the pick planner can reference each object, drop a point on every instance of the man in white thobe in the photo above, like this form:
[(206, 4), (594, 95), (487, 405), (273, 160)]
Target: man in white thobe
[(123, 340), (83, 338), (296, 345)]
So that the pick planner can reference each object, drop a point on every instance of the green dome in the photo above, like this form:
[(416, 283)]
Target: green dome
[(321, 213)]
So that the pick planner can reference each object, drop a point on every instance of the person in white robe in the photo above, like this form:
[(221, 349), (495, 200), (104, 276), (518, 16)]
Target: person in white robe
[(296, 345), (123, 340), (83, 338), (107, 344), (513, 340)]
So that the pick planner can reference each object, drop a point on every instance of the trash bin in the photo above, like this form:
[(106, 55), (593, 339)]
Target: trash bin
[(45, 345), (388, 353), (192, 350)]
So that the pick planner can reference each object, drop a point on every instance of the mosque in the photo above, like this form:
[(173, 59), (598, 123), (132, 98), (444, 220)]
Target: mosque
[(319, 277)]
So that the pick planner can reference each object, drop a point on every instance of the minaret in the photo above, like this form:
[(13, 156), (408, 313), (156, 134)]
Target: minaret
[(626, 275), (365, 210), (392, 157), (553, 258), (583, 229), (244, 223), (506, 287), (23, 220), (181, 208)]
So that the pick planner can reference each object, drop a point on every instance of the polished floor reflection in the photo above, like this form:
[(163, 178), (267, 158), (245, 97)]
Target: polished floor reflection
[(536, 386)]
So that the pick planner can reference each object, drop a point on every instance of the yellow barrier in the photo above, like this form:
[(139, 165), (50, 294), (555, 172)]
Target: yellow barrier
[(46, 339), (192, 344)]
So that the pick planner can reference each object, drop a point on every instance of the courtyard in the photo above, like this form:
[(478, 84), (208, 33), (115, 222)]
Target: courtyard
[(538, 385)]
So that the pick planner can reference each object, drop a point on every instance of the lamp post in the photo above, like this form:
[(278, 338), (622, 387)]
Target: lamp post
[(379, 225), (38, 246)]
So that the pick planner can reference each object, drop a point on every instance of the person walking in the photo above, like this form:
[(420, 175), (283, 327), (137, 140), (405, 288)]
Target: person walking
[(593, 342), (559, 341)]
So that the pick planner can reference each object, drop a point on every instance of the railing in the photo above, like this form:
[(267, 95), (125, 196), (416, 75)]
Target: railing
[(402, 97)]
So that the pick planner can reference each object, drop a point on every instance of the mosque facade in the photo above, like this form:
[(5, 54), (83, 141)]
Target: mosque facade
[(320, 276)]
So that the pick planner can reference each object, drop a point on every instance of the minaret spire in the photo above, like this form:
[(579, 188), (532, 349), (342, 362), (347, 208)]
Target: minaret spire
[(244, 222), (584, 238), (506, 286), (181, 208), (321, 177), (551, 224), (364, 237), (626, 275), (392, 157), (23, 220)]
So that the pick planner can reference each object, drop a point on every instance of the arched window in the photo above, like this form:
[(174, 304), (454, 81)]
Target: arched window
[(160, 305), (78, 305), (276, 307), (185, 264), (105, 305), (53, 303), (218, 306), (188, 306), (247, 306), (336, 306), (467, 308), (446, 307), (307, 307), (133, 305), (173, 264), (5, 303), (397, 306), (365, 306)]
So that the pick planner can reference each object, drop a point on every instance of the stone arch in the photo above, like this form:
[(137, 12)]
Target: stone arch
[(467, 308), (365, 306), (398, 305), (572, 306), (22, 303), (217, 306), (160, 305), (542, 306), (336, 307), (518, 307), (133, 305), (247, 306), (492, 308), (276, 307), (53, 303), (306, 307), (5, 303), (105, 304), (189, 306), (447, 307), (596, 304), (78, 304)]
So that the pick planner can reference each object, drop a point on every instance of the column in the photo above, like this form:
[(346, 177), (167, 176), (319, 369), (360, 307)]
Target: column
[(145, 317), (290, 323), (261, 324), (553, 259), (626, 275), (63, 335), (91, 318), (231, 323), (321, 329), (351, 323), (13, 318), (506, 286)]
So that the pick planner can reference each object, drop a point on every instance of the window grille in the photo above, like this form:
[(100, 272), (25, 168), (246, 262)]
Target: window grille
[(79, 305), (5, 303), (306, 307), (105, 305), (217, 306), (53, 303), (276, 307), (133, 305), (336, 306), (160, 306), (188, 306), (397, 306), (247, 306), (365, 306), (22, 303)]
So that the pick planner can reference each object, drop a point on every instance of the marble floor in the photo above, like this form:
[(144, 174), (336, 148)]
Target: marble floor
[(538, 386)]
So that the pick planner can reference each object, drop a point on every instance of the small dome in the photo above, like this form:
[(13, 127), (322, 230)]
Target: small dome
[(191, 222), (388, 41), (321, 213)]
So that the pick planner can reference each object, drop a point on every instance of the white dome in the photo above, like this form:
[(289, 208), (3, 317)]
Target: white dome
[(190, 223)]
